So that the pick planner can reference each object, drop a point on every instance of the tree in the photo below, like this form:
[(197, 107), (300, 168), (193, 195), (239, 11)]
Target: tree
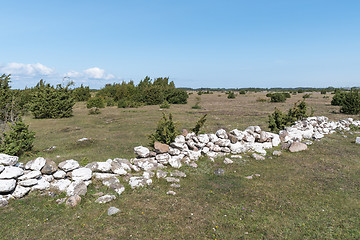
[(166, 131), (52, 102)]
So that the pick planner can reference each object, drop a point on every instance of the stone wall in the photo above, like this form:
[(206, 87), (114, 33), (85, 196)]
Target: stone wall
[(18, 179)]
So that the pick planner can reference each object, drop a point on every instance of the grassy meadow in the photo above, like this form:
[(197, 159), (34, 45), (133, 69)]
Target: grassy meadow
[(308, 195)]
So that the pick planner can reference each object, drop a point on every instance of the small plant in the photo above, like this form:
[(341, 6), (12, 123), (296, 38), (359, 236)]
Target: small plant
[(95, 102), (165, 104), (300, 91), (199, 92), (17, 140), (323, 91), (242, 92), (277, 97), (261, 100), (231, 95), (199, 124), (94, 111), (197, 103), (165, 132), (306, 96)]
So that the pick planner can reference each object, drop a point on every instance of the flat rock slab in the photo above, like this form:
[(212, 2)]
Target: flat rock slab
[(297, 147), (73, 201), (11, 172), (7, 185), (36, 164), (112, 211), (105, 199), (8, 160)]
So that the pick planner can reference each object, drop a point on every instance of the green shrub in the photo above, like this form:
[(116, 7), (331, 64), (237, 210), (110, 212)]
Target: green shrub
[(323, 91), (350, 104), (165, 104), (306, 96), (199, 124), (278, 120), (123, 103), (165, 132), (199, 92), (231, 95), (338, 98), (276, 97), (242, 92), (176, 96), (51, 102), (300, 91), (95, 102), (81, 93), (154, 95), (110, 102), (197, 103), (17, 140)]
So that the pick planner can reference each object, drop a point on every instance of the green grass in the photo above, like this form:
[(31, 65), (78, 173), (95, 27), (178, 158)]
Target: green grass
[(308, 195)]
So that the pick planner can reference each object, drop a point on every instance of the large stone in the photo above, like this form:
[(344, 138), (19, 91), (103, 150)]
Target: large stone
[(141, 151), (297, 147), (3, 202), (8, 160), (175, 161), (112, 211), (161, 147), (224, 142), (104, 167), (177, 173), (114, 184), (1, 168), (76, 188), (20, 191), (221, 133), (179, 139), (42, 184), (59, 174), (60, 185), (73, 201), (105, 199), (82, 174), (49, 168), (36, 164), (172, 180), (30, 175), (163, 158), (7, 185), (11, 172), (228, 161), (161, 174), (121, 166), (357, 140), (203, 138), (136, 182), (69, 165), (28, 183)]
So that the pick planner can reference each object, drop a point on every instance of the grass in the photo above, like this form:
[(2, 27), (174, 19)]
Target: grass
[(308, 195)]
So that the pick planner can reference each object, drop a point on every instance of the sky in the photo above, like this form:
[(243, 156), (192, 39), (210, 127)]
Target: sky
[(198, 43)]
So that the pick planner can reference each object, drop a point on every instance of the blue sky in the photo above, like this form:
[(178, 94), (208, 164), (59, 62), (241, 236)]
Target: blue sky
[(231, 44)]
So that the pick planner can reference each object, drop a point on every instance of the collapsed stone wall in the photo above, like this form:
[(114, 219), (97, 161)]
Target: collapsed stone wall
[(18, 179)]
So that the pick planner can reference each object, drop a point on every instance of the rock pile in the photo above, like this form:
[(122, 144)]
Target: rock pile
[(17, 179)]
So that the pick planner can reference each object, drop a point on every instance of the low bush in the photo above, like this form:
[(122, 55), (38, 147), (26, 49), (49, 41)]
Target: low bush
[(17, 140), (323, 91), (94, 111), (165, 132), (81, 93), (306, 96), (165, 104), (278, 97), (110, 102), (278, 120), (337, 98), (242, 92), (231, 95), (95, 102), (199, 124), (261, 100)]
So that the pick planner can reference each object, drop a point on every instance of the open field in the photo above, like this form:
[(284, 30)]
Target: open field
[(309, 195)]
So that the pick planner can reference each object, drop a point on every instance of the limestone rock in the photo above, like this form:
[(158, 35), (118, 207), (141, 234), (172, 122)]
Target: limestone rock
[(161, 174), (3, 202), (114, 184), (204, 138), (221, 133), (175, 185), (73, 201), (36, 164), (228, 161), (7, 185), (105, 199), (82, 174), (171, 193), (175, 161), (180, 139), (163, 158), (76, 188), (28, 183), (61, 185), (59, 174), (172, 180), (257, 156), (69, 165), (141, 151), (42, 184), (30, 175), (177, 173), (8, 160), (357, 140), (102, 176), (297, 147), (48, 178), (1, 168), (112, 211), (136, 182), (161, 147), (11, 172), (20, 191), (49, 168), (104, 167), (277, 153)]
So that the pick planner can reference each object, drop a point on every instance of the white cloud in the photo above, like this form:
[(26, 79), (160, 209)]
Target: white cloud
[(31, 70), (97, 73), (73, 74)]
